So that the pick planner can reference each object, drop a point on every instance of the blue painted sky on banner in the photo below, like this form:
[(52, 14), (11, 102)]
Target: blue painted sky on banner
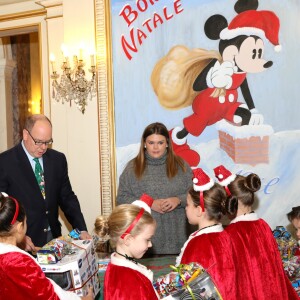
[(275, 91)]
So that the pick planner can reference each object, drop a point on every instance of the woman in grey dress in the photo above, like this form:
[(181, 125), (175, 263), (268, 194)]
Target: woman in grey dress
[(158, 172)]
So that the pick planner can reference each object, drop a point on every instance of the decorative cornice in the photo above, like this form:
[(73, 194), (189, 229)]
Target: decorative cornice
[(22, 15), (54, 8), (50, 3)]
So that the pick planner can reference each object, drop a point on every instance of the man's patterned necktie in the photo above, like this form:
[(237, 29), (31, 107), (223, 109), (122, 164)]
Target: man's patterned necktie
[(39, 175)]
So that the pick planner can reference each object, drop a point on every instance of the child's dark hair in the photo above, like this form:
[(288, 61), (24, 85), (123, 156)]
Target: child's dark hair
[(243, 189), (119, 220), (294, 214), (216, 202), (11, 210)]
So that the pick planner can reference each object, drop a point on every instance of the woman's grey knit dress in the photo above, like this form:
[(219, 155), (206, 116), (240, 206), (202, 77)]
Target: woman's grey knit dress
[(171, 231)]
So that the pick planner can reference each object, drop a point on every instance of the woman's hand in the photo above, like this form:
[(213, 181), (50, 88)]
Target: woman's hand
[(169, 204), (156, 206)]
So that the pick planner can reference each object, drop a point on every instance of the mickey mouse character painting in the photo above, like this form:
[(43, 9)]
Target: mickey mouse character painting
[(209, 80)]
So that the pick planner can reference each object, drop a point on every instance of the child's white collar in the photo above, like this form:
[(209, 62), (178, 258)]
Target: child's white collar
[(129, 264), (247, 217)]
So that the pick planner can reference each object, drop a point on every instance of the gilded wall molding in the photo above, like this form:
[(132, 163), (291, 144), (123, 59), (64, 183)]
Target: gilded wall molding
[(23, 15), (105, 106)]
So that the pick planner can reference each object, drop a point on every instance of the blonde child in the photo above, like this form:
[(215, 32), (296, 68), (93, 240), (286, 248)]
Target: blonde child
[(209, 245), (20, 276), (259, 266), (130, 228)]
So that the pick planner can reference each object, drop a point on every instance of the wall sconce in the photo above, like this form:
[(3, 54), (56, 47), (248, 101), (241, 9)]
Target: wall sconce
[(73, 85)]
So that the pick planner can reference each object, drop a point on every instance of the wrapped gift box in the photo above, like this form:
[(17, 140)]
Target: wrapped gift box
[(77, 271), (287, 245), (289, 251), (52, 252), (103, 261)]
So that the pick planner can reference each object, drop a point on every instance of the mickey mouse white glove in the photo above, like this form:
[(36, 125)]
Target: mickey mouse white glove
[(256, 118), (220, 75)]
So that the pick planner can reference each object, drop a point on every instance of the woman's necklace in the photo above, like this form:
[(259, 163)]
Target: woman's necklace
[(128, 257)]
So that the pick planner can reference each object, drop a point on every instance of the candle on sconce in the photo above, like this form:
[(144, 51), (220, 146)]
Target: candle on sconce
[(52, 60), (92, 60), (75, 60), (67, 62), (80, 53), (66, 58), (64, 50)]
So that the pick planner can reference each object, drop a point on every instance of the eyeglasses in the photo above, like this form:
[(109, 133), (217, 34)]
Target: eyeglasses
[(40, 143)]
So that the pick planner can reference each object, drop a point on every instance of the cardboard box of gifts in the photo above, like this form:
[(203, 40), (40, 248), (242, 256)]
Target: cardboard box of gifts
[(76, 271), (103, 261)]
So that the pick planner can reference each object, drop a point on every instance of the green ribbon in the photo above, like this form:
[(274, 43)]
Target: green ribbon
[(180, 270)]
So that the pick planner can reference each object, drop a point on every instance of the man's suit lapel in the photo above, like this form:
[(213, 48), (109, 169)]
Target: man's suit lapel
[(48, 172), (25, 171)]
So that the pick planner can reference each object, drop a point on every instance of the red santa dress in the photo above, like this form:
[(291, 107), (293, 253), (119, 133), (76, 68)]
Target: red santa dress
[(21, 278), (259, 267), (126, 280), (211, 247)]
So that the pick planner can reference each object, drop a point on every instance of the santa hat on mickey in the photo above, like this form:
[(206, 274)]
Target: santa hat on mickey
[(264, 24), (223, 175), (145, 202), (4, 194), (202, 182)]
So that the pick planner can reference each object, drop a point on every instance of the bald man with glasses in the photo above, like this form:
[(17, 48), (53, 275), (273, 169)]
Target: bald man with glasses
[(38, 177)]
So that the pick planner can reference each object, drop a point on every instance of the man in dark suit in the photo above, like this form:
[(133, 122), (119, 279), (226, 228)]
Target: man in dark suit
[(18, 179)]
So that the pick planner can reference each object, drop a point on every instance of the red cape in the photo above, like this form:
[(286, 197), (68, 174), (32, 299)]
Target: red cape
[(22, 279), (125, 283), (214, 252), (260, 270)]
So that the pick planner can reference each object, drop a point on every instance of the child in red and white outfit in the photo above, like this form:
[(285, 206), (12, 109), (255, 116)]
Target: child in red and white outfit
[(210, 245), (259, 266), (21, 277), (130, 228)]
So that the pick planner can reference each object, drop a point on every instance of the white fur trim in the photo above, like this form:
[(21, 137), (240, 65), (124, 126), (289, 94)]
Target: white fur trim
[(175, 139), (204, 187), (247, 217), (4, 194), (6, 248), (142, 204), (227, 34), (217, 228), (228, 180), (131, 265)]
